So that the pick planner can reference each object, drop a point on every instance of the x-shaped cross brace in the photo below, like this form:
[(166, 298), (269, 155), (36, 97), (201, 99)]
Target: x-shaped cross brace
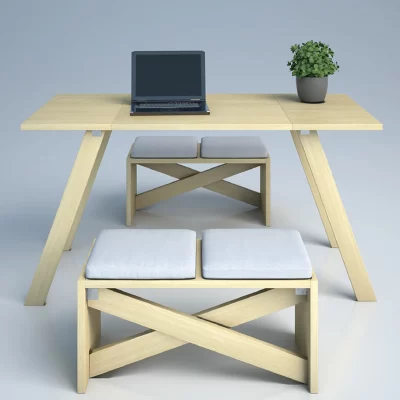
[(209, 329), (190, 179)]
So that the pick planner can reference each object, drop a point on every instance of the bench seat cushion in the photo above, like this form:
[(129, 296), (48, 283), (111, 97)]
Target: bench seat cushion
[(164, 147), (143, 254), (254, 254), (233, 147)]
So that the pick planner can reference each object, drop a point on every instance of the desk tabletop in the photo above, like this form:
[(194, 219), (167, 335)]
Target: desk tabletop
[(228, 112)]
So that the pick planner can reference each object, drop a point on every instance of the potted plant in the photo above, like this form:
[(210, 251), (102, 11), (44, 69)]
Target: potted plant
[(312, 63)]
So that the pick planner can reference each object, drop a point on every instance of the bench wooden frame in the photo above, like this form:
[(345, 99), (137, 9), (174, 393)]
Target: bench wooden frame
[(210, 329), (191, 179)]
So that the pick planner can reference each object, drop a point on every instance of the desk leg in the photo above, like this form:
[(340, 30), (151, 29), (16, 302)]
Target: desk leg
[(68, 214), (332, 211)]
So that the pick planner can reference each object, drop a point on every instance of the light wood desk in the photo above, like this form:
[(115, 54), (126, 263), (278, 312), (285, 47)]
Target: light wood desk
[(244, 112)]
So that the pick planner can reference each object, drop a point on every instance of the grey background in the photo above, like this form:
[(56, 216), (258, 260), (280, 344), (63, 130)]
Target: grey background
[(49, 47)]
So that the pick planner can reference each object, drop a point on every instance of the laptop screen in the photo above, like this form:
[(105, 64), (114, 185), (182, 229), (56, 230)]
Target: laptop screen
[(167, 75)]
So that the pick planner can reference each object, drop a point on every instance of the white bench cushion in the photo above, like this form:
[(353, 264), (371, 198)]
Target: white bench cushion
[(254, 254), (233, 147), (143, 254), (164, 147)]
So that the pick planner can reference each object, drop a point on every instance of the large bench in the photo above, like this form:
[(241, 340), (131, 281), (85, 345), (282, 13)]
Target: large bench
[(274, 261), (165, 154)]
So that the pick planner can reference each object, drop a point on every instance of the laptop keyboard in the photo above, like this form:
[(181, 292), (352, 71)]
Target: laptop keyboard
[(168, 105)]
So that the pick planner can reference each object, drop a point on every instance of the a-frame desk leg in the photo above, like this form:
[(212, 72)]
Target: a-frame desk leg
[(68, 214), (331, 209)]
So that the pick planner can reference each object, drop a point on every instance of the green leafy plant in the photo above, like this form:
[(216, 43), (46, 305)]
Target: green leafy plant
[(312, 59)]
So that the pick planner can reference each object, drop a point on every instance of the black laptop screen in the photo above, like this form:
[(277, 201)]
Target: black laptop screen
[(168, 75)]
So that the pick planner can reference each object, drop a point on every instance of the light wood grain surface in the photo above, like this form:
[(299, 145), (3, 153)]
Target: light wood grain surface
[(202, 333), (76, 112), (230, 314), (228, 112), (339, 112), (336, 221), (68, 215)]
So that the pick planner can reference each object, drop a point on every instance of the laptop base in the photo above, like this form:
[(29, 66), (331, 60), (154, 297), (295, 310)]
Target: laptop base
[(204, 110)]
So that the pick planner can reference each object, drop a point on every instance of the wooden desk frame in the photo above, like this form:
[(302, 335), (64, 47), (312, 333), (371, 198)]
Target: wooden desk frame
[(228, 112), (210, 329)]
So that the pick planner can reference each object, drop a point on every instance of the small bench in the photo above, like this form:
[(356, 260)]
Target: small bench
[(274, 260), (165, 154)]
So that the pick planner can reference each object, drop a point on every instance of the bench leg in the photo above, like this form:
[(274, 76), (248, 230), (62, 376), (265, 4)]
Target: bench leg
[(306, 336), (131, 191), (89, 333), (265, 190), (301, 327), (313, 337)]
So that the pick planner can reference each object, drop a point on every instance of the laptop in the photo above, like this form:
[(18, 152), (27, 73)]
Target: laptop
[(168, 83)]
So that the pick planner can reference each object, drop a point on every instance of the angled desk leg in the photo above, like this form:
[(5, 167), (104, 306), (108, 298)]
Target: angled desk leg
[(314, 188), (332, 211), (68, 214)]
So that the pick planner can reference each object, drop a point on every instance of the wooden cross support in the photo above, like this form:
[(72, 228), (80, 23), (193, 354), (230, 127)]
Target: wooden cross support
[(210, 329), (190, 179)]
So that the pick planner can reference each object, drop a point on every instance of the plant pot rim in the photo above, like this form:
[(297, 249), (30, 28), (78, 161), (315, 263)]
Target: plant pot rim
[(312, 77)]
